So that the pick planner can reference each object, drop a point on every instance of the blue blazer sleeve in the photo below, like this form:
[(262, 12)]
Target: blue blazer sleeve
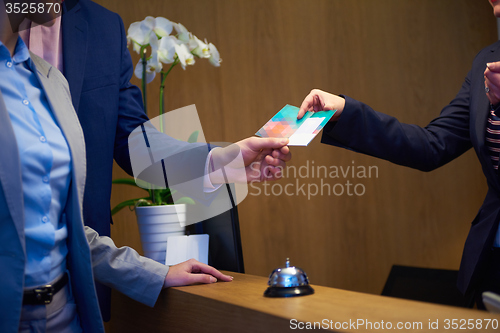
[(365, 130)]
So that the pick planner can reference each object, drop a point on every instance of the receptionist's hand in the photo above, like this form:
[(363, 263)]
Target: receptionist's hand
[(193, 272)]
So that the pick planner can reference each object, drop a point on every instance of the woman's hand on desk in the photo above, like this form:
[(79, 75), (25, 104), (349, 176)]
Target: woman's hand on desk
[(192, 272)]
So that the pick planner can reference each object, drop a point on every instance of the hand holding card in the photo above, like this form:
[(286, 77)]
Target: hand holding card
[(300, 132)]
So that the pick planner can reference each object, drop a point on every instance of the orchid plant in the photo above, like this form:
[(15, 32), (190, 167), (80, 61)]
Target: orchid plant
[(166, 48), (157, 44)]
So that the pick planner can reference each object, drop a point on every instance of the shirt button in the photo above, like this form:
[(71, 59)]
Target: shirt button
[(42, 138), (45, 179), (8, 64), (26, 102), (45, 219)]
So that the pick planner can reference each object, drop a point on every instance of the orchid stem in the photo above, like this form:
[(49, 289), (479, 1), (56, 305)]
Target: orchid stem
[(143, 58), (163, 76), (162, 99), (176, 61)]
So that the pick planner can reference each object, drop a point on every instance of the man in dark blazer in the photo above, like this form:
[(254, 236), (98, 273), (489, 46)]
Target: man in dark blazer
[(461, 125), (98, 67)]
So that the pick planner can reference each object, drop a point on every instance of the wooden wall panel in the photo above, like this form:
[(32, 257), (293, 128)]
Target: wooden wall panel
[(404, 58)]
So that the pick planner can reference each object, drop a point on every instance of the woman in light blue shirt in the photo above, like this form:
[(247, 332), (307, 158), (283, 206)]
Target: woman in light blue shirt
[(49, 259)]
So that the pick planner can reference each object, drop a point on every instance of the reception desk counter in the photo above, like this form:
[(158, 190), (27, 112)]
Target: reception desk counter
[(240, 306)]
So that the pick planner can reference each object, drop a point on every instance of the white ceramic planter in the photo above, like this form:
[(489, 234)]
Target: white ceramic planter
[(156, 224)]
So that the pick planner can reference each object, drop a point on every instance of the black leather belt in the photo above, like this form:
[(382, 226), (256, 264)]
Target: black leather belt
[(43, 295)]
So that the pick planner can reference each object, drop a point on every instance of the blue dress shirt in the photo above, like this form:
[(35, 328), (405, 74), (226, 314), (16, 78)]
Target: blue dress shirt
[(45, 165)]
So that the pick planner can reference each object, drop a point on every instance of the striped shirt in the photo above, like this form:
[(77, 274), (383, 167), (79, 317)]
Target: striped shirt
[(493, 138)]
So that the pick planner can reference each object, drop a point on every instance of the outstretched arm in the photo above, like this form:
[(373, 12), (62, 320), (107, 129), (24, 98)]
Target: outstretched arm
[(251, 159)]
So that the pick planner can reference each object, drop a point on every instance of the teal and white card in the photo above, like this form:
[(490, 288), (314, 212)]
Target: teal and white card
[(299, 132)]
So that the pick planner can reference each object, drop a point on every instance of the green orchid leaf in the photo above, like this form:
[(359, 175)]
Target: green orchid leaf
[(126, 203), (157, 197), (185, 200), (193, 137), (160, 196), (143, 184), (124, 181), (130, 181)]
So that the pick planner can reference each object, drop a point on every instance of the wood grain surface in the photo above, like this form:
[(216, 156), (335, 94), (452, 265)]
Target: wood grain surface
[(404, 58), (239, 306)]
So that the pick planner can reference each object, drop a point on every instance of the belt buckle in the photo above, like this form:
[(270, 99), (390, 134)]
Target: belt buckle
[(44, 294)]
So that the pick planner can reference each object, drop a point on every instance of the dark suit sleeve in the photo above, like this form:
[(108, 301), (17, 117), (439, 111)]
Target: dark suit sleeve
[(130, 108), (362, 129)]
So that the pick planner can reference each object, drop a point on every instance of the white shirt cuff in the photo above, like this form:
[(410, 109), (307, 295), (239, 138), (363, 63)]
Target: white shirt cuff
[(208, 187)]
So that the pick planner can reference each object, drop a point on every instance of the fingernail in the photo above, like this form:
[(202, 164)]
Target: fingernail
[(488, 65), (213, 280), (284, 141), (232, 278)]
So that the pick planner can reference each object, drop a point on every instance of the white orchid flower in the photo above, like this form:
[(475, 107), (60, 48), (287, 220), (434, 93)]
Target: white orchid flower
[(182, 33), (198, 48), (155, 32), (153, 40), (214, 55), (154, 64), (166, 49), (162, 27), (139, 33), (148, 23), (138, 72), (135, 36), (185, 57)]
